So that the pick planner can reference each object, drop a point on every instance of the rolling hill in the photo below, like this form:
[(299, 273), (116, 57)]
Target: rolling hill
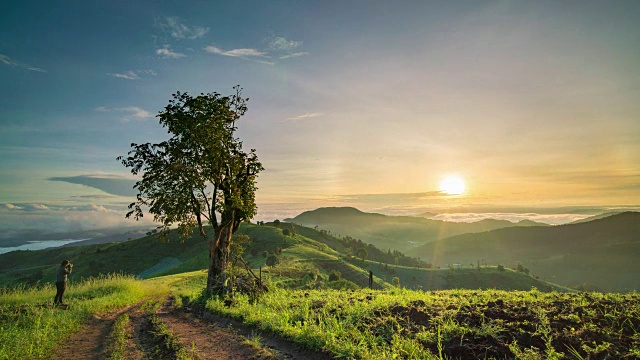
[(306, 260), (601, 254), (393, 232)]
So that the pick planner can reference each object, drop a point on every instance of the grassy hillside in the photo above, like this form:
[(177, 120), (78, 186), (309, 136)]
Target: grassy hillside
[(392, 232), (601, 253), (306, 260)]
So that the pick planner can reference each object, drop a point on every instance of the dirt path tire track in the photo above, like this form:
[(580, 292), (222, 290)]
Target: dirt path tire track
[(221, 334), (209, 336), (91, 342)]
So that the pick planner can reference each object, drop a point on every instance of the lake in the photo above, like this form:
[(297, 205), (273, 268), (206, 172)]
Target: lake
[(39, 245)]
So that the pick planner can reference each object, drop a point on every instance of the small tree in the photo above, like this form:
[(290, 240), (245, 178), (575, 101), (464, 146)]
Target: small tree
[(286, 232), (335, 275), (395, 281), (200, 174), (272, 260), (362, 253)]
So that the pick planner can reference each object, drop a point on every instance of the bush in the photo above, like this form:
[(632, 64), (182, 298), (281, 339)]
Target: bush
[(286, 232), (395, 281), (500, 268), (342, 284), (272, 260), (335, 275)]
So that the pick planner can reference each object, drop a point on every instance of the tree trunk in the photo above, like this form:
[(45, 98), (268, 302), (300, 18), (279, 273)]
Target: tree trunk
[(219, 249)]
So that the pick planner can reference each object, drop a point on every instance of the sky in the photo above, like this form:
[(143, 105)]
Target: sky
[(534, 104)]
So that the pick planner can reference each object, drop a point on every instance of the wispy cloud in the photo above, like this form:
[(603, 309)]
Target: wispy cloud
[(285, 48), (289, 56), (278, 43), (11, 62), (243, 53), (132, 112), (133, 74), (178, 29), (7, 60), (167, 53), (235, 52), (276, 47), (129, 75), (305, 116)]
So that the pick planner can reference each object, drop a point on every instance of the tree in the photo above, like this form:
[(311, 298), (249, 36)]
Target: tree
[(272, 261), (200, 174), (362, 253), (395, 281), (286, 232)]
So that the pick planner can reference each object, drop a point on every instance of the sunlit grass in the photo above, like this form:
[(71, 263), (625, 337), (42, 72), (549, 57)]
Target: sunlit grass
[(30, 328)]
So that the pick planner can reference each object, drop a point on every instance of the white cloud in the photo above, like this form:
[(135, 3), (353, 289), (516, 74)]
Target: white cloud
[(132, 112), (135, 111), (90, 207), (147, 72), (167, 53), (179, 30), (279, 43), (12, 207), (235, 52), (133, 74), (288, 56), (7, 60), (305, 116), (29, 207), (129, 75)]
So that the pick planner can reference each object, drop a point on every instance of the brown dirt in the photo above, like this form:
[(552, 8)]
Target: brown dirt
[(91, 341), (205, 340), (206, 337), (217, 337)]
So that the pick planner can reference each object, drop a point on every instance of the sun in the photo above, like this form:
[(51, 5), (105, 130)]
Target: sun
[(452, 185)]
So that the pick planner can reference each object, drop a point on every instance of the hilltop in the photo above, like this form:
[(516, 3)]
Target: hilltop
[(393, 232), (601, 253)]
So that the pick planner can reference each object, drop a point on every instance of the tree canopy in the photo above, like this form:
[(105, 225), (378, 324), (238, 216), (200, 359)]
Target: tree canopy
[(199, 175)]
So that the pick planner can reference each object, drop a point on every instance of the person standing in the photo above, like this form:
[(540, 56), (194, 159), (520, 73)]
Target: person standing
[(61, 280)]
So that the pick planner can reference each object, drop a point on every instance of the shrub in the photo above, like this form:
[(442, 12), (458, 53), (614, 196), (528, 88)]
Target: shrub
[(335, 275)]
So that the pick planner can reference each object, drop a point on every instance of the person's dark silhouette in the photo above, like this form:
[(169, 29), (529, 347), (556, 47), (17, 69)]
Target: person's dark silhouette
[(61, 280)]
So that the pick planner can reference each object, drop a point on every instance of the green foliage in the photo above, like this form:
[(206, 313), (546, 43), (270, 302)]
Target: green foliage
[(335, 275), (272, 260), (200, 174), (286, 232), (395, 281), (362, 253)]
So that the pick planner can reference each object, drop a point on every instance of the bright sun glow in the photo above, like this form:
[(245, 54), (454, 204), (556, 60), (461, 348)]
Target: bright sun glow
[(452, 185)]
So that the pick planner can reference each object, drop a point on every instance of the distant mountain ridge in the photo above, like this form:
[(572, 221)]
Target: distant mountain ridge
[(602, 252), (394, 232)]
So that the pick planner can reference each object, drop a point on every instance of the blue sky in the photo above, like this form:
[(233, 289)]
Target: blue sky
[(364, 103)]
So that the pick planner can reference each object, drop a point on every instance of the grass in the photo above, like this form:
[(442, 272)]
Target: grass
[(30, 328), (119, 335), (407, 324)]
